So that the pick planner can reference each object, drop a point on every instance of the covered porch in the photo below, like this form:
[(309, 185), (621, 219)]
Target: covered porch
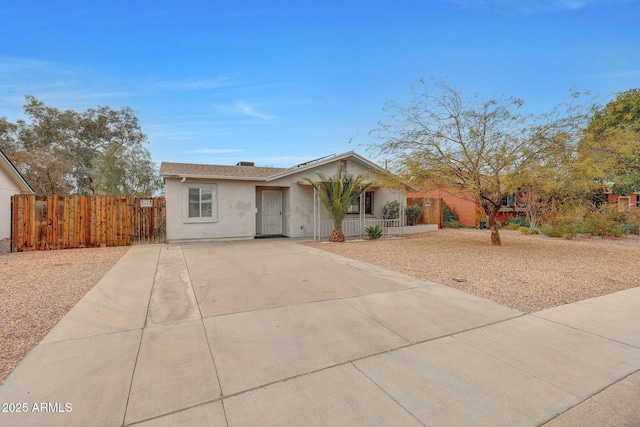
[(355, 225)]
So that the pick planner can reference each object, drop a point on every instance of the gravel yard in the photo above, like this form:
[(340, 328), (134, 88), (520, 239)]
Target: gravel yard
[(38, 288), (528, 273)]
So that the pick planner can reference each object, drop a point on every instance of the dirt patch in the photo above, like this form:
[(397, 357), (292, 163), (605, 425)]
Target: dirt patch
[(38, 288), (528, 273)]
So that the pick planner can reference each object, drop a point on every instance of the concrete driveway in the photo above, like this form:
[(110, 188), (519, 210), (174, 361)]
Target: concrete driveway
[(275, 333)]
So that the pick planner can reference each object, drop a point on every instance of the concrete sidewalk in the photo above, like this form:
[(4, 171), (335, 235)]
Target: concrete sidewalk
[(274, 333)]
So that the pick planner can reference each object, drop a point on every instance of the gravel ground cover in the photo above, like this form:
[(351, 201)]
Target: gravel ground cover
[(528, 273), (38, 288)]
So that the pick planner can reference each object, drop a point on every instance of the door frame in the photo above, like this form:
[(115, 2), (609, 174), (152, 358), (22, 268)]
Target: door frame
[(264, 210), (624, 203)]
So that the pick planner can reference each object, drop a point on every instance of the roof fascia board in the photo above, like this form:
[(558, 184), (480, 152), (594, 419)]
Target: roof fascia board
[(12, 169), (338, 157), (215, 177)]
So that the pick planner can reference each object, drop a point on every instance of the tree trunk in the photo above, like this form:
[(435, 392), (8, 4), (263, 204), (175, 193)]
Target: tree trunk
[(495, 234), (336, 235)]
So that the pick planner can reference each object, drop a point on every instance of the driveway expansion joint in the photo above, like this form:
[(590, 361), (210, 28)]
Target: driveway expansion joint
[(360, 332)]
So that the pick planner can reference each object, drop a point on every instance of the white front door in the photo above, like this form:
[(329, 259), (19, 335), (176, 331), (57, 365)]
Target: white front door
[(271, 212)]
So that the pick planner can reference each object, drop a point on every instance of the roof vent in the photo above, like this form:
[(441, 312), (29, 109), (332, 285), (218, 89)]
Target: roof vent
[(245, 164)]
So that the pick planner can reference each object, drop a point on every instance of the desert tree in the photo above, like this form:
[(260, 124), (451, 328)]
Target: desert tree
[(486, 147), (610, 147), (96, 151)]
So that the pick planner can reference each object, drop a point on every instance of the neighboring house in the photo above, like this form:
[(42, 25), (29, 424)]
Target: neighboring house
[(470, 212), (11, 182), (625, 203), (208, 202)]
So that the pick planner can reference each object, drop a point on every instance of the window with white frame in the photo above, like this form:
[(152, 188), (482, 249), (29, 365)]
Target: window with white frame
[(201, 203), (354, 207)]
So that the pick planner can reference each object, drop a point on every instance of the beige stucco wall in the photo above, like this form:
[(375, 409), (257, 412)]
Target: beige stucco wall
[(235, 212), (8, 188), (239, 206)]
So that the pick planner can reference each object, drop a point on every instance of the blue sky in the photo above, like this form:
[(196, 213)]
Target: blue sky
[(283, 82)]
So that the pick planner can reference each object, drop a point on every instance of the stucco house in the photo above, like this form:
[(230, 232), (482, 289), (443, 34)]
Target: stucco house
[(11, 182), (208, 202)]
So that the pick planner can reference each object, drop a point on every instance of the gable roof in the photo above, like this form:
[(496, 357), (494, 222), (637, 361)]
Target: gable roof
[(352, 155), (190, 170), (11, 170), (253, 173)]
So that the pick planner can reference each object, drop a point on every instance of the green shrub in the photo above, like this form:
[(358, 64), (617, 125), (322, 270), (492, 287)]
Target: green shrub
[(569, 220), (551, 230), (606, 221), (454, 223), (374, 231), (589, 226), (448, 214), (568, 231), (519, 221), (615, 230), (631, 228), (512, 226), (391, 210), (413, 214), (529, 231), (633, 221)]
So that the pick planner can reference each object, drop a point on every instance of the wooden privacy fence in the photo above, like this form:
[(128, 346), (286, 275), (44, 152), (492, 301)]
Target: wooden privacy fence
[(61, 222), (433, 210)]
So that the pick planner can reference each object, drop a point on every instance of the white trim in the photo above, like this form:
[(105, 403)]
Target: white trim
[(315, 214), (24, 186), (289, 171), (185, 202), (350, 154), (621, 207)]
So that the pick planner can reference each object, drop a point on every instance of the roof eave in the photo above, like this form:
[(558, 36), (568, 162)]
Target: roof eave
[(213, 177), (22, 183), (342, 156)]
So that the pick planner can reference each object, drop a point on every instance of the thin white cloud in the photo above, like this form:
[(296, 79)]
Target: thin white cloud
[(531, 6), (244, 108), (283, 161), (215, 151), (630, 74), (55, 84), (215, 83), (251, 110), (10, 65)]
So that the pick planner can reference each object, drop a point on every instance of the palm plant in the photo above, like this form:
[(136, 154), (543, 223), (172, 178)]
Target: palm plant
[(337, 193)]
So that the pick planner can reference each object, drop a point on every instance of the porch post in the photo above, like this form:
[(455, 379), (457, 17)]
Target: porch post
[(315, 225), (402, 216), (362, 197)]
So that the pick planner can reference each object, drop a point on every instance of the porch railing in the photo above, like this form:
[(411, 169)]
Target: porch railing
[(356, 227)]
